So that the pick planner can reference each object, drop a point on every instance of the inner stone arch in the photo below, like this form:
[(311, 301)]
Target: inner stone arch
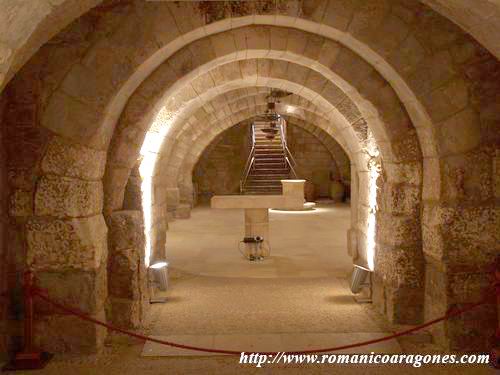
[(194, 167)]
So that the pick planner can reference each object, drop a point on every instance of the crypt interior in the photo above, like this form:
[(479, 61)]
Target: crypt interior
[(142, 141)]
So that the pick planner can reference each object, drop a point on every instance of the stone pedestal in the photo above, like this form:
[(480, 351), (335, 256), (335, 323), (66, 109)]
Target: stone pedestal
[(293, 194), (257, 224), (257, 208)]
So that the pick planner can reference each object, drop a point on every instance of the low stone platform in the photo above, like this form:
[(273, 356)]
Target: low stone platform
[(308, 206)]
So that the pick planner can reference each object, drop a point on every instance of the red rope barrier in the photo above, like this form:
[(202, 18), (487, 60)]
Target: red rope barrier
[(83, 316)]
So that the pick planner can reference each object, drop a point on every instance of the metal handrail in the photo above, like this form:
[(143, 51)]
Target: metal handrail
[(288, 154), (249, 163), (292, 168)]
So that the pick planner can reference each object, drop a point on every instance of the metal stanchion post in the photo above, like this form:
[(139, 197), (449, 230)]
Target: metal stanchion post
[(29, 358)]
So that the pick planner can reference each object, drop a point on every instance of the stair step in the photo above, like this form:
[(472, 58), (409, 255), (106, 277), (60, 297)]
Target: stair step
[(263, 189), (264, 183), (270, 156), (263, 153), (276, 177), (273, 150), (269, 171), (262, 193), (271, 184), (274, 166), (270, 161), (270, 165), (261, 167), (262, 172)]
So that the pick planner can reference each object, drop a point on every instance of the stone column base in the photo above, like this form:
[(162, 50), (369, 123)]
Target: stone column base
[(400, 305)]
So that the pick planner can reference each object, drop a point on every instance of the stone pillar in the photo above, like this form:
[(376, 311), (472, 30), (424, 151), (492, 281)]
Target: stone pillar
[(5, 344), (173, 200), (461, 244), (132, 199), (186, 188), (69, 260), (66, 244), (127, 274), (352, 233), (399, 264)]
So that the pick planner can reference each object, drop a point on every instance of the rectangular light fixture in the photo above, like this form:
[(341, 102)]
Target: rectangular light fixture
[(358, 278)]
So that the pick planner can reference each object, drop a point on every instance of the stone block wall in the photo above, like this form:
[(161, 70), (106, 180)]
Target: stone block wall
[(460, 211), (56, 225), (5, 344), (314, 162), (219, 169)]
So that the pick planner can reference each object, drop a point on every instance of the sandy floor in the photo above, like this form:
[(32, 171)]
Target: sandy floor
[(300, 292), (303, 244)]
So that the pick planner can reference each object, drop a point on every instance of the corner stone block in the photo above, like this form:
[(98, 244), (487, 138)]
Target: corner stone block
[(399, 199), (472, 331), (123, 274), (464, 235), (68, 197), (65, 159), (21, 203), (127, 275), (352, 243), (132, 199), (173, 198), (126, 230), (404, 305), (397, 230), (126, 313), (400, 267), (58, 245), (85, 290), (183, 211)]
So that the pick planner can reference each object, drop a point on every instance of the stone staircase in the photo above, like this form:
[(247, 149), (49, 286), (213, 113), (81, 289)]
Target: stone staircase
[(267, 164)]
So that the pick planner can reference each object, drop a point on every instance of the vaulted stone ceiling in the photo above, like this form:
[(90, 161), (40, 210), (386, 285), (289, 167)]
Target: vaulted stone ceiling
[(28, 25), (410, 97)]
